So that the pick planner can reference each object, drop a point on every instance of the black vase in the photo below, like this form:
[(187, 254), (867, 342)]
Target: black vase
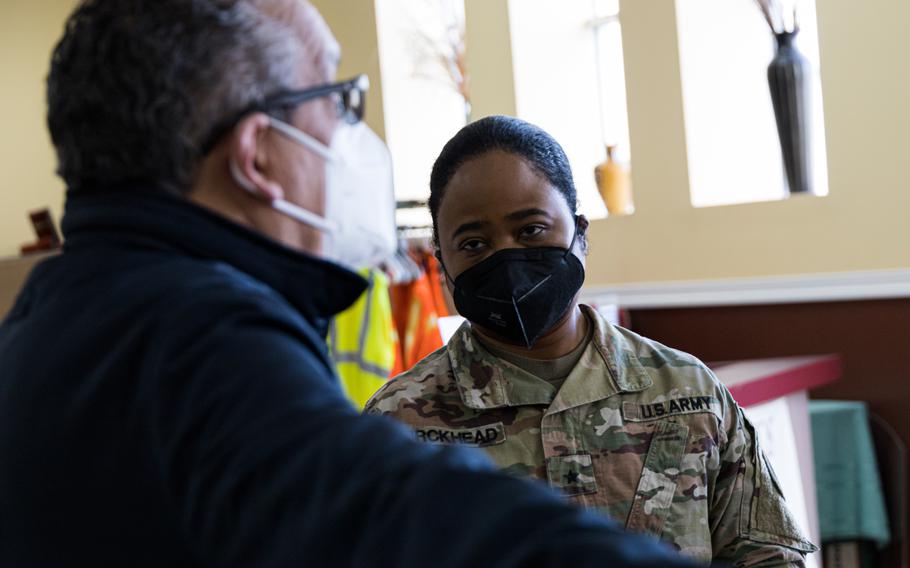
[(788, 77)]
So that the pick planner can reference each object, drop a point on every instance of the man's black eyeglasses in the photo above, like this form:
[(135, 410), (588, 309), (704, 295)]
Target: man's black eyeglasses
[(349, 95)]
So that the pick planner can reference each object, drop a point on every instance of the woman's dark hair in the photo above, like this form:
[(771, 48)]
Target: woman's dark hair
[(509, 134)]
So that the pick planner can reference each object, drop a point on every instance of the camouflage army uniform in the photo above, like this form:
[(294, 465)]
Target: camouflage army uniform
[(641, 431)]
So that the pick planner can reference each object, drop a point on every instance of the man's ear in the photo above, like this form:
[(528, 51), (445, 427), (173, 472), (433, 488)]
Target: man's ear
[(248, 155)]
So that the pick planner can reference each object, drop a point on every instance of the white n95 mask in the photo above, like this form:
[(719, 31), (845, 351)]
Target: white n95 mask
[(359, 222)]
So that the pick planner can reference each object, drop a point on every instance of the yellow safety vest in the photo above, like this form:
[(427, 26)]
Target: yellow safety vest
[(362, 341)]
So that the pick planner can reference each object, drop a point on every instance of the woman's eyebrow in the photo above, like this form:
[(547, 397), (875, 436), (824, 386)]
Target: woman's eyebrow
[(514, 216), (470, 226), (525, 213)]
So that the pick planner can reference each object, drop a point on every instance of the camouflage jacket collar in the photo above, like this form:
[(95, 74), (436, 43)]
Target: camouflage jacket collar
[(608, 366)]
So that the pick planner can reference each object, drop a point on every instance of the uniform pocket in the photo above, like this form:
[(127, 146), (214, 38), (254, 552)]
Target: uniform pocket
[(659, 477), (573, 474)]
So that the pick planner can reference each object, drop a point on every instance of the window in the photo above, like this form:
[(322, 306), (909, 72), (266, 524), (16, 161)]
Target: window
[(612, 77), (424, 104), (577, 92), (731, 136)]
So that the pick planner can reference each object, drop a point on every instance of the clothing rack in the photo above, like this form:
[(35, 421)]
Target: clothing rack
[(416, 234), (411, 204), (414, 227)]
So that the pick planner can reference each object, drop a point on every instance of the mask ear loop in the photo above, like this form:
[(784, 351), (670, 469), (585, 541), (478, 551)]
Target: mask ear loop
[(443, 265), (303, 139)]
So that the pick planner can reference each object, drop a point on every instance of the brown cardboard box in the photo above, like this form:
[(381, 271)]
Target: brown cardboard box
[(13, 272)]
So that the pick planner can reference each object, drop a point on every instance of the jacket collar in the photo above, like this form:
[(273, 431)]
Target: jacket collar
[(608, 366), (154, 220)]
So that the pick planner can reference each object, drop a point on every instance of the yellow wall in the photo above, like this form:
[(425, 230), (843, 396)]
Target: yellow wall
[(28, 32), (356, 20), (488, 57), (863, 223)]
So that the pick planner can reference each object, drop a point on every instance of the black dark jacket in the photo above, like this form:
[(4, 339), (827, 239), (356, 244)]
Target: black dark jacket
[(166, 400)]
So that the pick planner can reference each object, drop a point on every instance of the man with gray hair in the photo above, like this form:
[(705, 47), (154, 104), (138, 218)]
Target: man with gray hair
[(166, 398)]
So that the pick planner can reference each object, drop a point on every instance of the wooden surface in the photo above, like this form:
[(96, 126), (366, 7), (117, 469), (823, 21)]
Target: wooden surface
[(760, 380), (13, 272)]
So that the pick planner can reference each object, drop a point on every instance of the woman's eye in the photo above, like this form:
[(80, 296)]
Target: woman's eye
[(471, 245), (532, 231)]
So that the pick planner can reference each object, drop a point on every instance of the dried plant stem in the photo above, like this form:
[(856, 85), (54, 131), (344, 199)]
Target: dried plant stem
[(781, 15), (766, 10)]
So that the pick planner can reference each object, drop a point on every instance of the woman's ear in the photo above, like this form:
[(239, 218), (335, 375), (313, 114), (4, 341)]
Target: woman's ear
[(247, 153), (583, 225)]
